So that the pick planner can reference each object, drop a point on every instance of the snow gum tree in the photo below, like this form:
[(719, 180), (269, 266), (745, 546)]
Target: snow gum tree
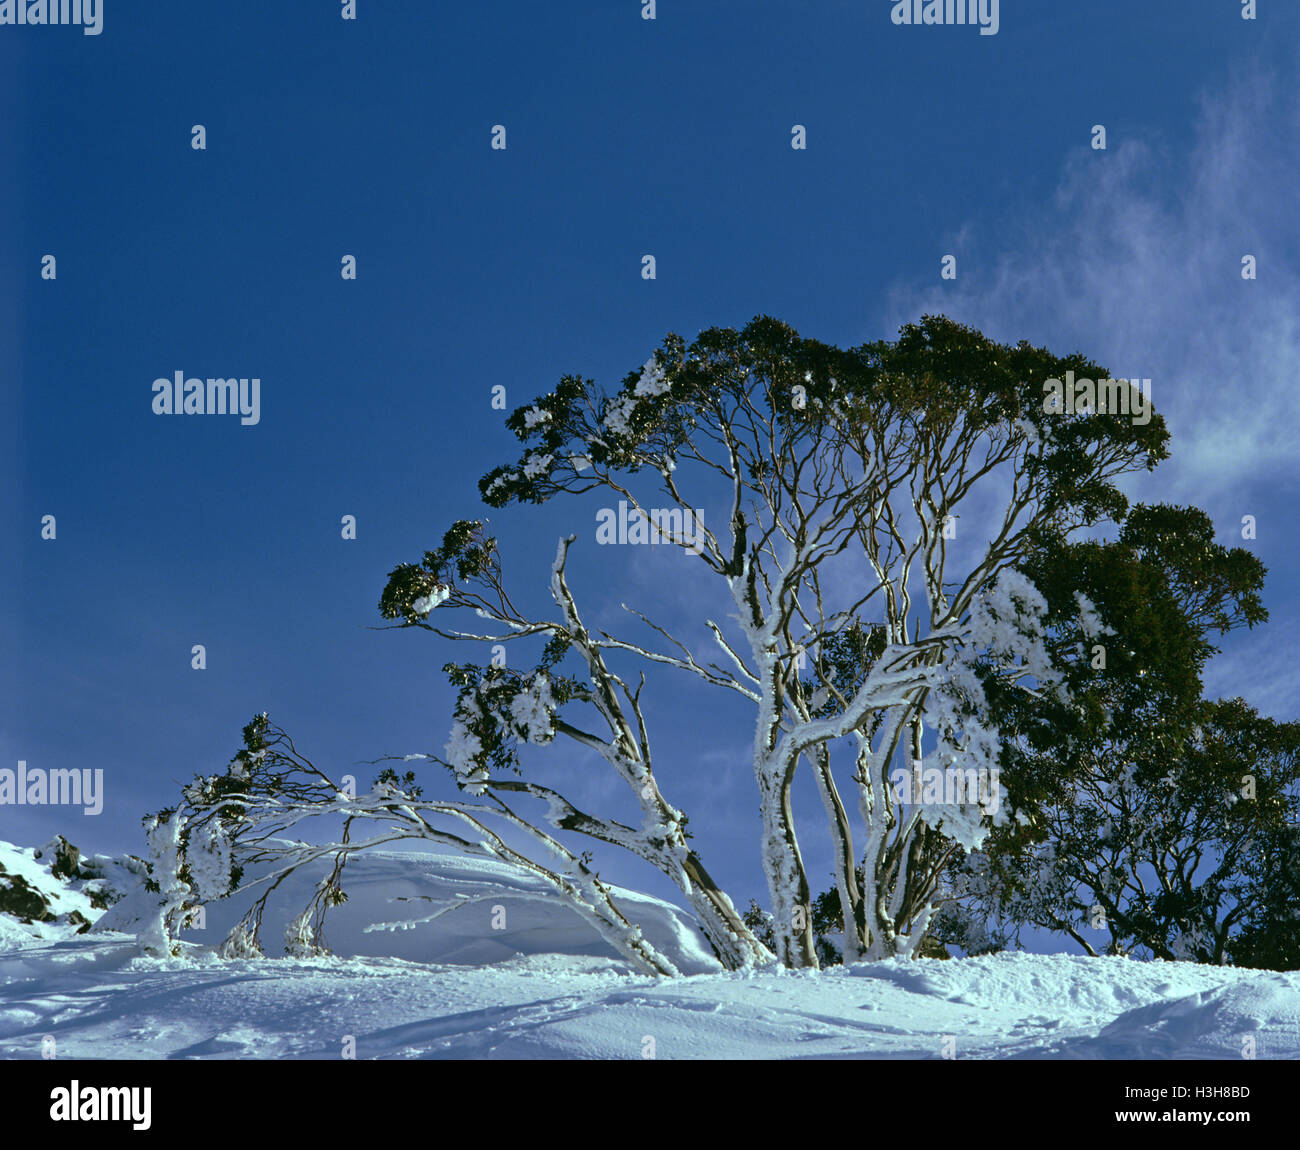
[(1162, 823), (847, 615), (1183, 845)]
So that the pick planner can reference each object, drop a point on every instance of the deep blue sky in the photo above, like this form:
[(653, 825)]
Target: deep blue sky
[(479, 267)]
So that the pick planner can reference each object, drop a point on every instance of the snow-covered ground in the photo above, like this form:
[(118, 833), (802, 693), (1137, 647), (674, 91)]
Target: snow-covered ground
[(545, 987)]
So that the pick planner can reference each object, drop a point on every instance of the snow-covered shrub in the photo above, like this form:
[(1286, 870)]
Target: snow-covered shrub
[(239, 823)]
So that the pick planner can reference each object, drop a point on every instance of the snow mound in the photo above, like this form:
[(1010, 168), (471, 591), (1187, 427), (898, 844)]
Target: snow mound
[(390, 892), (1259, 1018), (492, 912), (101, 999), (544, 987), (511, 975), (1055, 1004), (1065, 984)]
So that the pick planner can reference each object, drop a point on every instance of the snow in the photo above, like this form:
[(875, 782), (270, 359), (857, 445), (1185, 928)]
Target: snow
[(462, 751), (60, 896), (652, 380), (546, 987), (1089, 620), (532, 710), (426, 603), (537, 465), (104, 1003), (1028, 430), (209, 858), (618, 413), (402, 887)]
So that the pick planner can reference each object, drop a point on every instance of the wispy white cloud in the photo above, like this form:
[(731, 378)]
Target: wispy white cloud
[(1136, 262)]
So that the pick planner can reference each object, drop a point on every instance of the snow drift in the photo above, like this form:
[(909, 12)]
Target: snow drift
[(391, 894), (543, 987)]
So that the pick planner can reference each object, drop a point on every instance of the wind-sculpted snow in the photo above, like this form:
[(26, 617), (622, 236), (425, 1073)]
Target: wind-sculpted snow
[(546, 986), (485, 911), (391, 893), (98, 999), (1261, 1015)]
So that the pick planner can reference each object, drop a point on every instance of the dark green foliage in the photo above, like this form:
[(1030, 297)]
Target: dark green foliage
[(828, 920), (466, 553), (760, 922), (937, 376), (1134, 793), (405, 783), (1149, 589)]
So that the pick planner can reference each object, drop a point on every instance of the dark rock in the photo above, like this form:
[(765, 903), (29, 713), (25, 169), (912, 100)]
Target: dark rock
[(20, 899), (63, 859)]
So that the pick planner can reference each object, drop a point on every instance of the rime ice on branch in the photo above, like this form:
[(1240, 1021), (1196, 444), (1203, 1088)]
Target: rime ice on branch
[(840, 616)]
